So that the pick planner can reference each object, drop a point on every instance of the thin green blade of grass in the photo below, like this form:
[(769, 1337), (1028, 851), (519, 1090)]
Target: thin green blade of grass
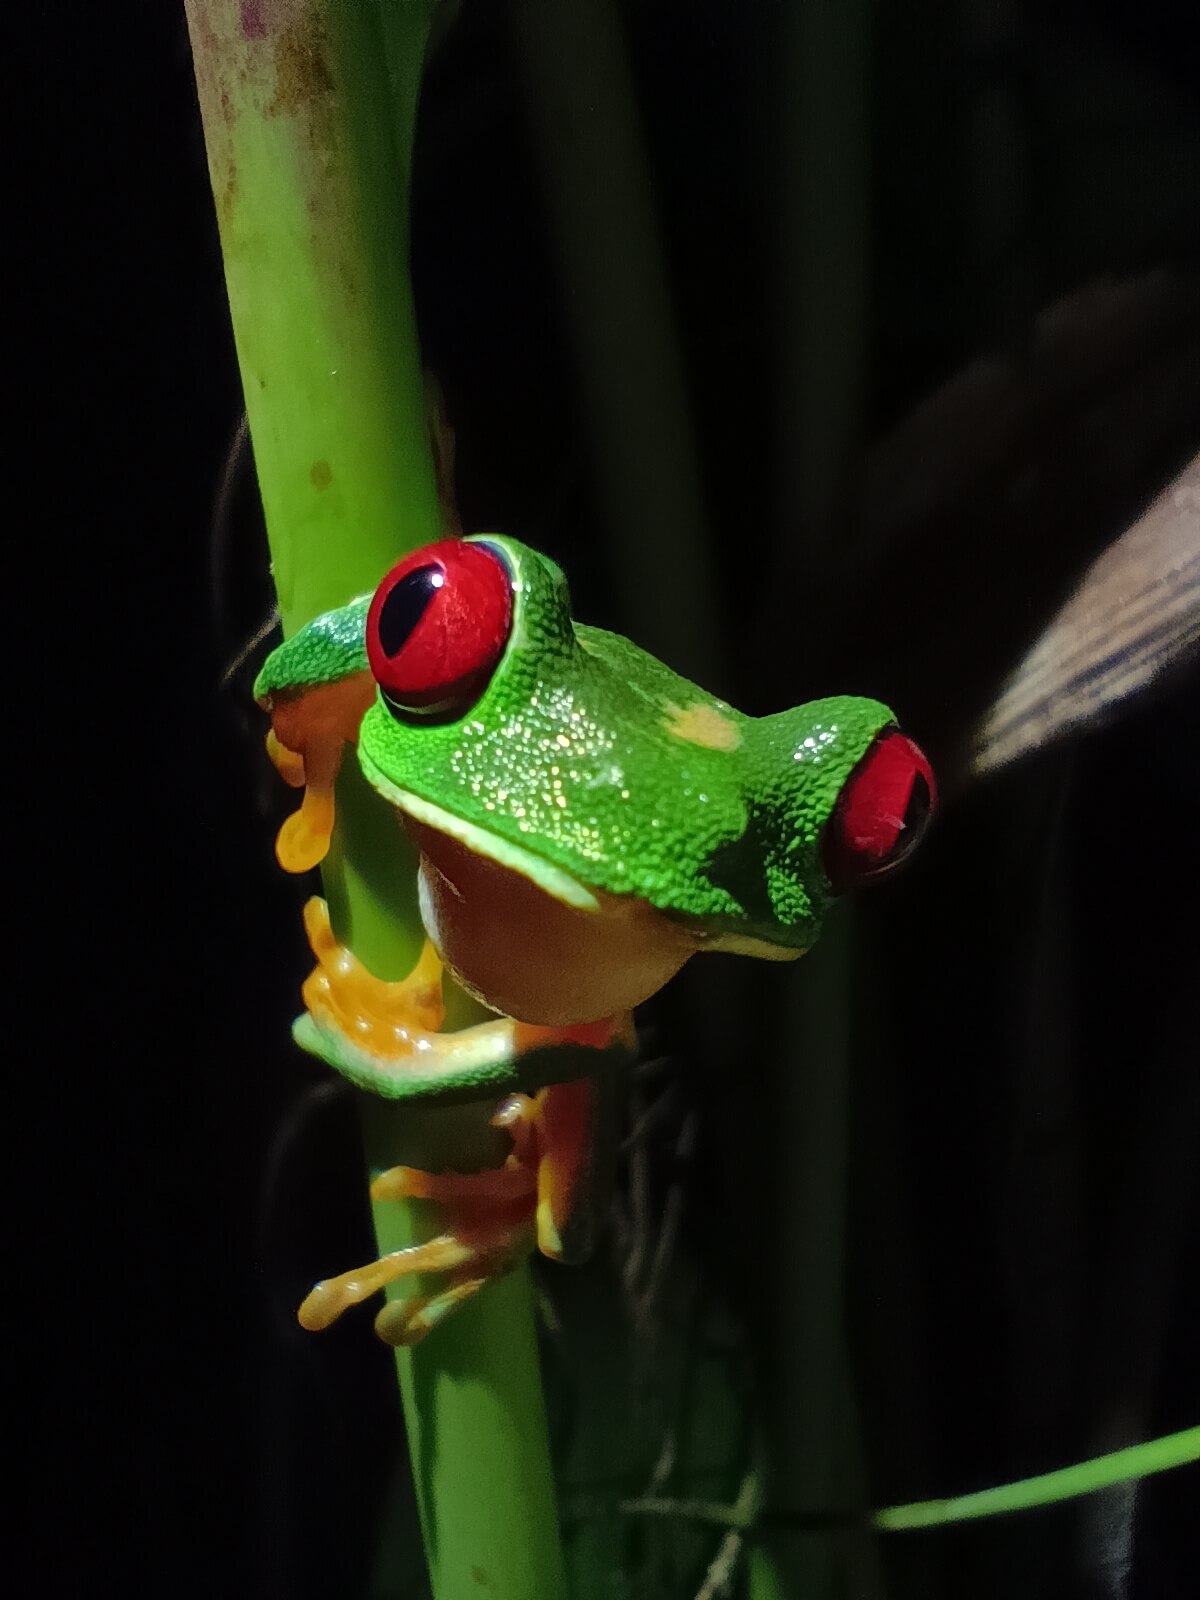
[(302, 128), (1048, 1488)]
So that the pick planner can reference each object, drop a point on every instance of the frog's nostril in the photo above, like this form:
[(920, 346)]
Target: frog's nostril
[(881, 814)]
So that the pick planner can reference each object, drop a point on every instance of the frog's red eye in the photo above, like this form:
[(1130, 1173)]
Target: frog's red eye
[(881, 813), (438, 625)]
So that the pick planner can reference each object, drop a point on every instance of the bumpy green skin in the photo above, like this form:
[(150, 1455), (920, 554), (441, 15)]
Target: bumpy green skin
[(330, 647), (569, 756)]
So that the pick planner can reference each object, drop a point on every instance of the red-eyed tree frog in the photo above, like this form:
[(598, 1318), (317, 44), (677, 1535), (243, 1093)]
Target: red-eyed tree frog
[(586, 821)]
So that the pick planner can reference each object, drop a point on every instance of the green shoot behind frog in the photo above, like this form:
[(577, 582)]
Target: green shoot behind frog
[(586, 821)]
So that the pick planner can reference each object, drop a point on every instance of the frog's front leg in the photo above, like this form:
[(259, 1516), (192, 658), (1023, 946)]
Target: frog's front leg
[(303, 841), (385, 1036), (310, 728), (383, 1018)]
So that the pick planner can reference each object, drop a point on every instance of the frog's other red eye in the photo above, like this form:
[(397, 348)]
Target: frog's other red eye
[(882, 812), (438, 625)]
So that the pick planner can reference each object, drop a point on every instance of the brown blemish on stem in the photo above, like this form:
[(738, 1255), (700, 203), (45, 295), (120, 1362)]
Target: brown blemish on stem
[(703, 725), (301, 72), (321, 474), (253, 23), (229, 193)]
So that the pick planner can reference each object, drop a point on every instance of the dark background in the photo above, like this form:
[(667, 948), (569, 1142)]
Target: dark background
[(1038, 969)]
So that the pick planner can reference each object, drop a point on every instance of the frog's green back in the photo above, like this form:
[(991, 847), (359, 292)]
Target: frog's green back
[(591, 756)]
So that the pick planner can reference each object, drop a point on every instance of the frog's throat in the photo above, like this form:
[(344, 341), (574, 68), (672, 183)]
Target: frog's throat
[(552, 880)]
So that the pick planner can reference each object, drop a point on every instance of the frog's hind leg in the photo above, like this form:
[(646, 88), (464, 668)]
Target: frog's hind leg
[(490, 1219), (406, 1322), (488, 1228), (326, 1301), (497, 1185), (556, 1131)]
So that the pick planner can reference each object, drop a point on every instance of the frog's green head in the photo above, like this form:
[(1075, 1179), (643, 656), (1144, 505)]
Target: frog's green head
[(838, 798), (573, 758)]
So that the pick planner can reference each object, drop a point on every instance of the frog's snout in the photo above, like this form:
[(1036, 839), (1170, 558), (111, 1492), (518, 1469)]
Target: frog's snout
[(882, 813)]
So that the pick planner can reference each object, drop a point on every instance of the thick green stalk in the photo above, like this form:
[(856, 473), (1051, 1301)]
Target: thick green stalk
[(812, 1447), (589, 147), (308, 110)]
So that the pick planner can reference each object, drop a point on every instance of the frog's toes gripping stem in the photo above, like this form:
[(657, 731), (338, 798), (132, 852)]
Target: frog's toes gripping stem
[(386, 1036), (489, 1226), (407, 1321), (381, 1017)]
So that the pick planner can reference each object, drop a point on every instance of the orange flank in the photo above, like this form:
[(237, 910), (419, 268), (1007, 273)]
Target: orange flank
[(566, 1118)]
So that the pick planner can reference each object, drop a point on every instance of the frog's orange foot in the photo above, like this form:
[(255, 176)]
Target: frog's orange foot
[(303, 841), (406, 1322), (328, 1299), (469, 1260), (497, 1186), (491, 1223), (387, 1019)]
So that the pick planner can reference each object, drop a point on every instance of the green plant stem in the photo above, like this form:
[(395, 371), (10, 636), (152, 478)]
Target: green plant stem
[(812, 1449), (1066, 1483), (308, 114), (589, 147)]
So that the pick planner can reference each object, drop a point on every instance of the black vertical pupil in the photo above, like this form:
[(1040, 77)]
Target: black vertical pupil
[(406, 605), (917, 811), (916, 815)]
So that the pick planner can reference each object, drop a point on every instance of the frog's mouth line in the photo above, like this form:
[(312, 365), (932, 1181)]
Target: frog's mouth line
[(727, 943), (551, 879)]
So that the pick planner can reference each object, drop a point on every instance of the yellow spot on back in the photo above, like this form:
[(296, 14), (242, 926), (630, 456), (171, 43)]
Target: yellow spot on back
[(703, 724)]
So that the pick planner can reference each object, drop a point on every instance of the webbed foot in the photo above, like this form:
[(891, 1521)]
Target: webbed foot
[(489, 1226), (385, 1036), (384, 1018), (310, 727), (303, 841), (491, 1219)]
